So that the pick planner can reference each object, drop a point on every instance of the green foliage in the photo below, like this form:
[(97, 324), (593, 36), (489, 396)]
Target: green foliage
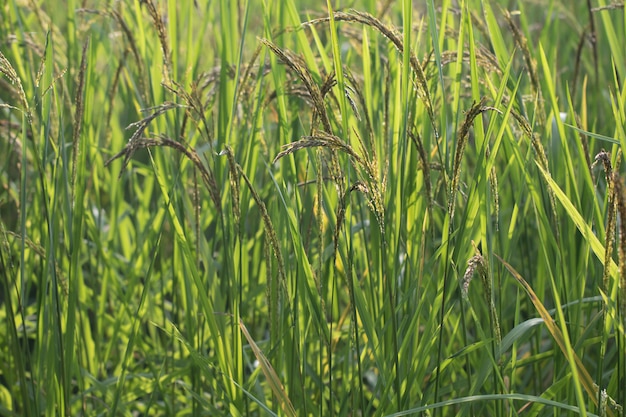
[(278, 208)]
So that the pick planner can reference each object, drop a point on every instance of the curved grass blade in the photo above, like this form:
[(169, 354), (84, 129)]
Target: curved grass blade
[(577, 218), (490, 397), (558, 336), (270, 374)]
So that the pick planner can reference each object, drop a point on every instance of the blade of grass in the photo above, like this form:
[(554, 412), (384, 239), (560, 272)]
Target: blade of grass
[(270, 374), (578, 369)]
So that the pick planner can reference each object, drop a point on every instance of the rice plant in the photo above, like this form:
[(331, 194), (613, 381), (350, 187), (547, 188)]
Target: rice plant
[(297, 208)]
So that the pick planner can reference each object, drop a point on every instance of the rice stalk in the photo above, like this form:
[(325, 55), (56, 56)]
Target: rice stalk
[(320, 140), (193, 102), (157, 20), (248, 72), (484, 58), (333, 143), (478, 265), (524, 124), (620, 195), (143, 80), (234, 188), (605, 159), (493, 184), (19, 361), (318, 209), (8, 71), (542, 159), (137, 143), (369, 151), (531, 66), (462, 138), (78, 115), (419, 145), (298, 67), (421, 83), (140, 126), (269, 227)]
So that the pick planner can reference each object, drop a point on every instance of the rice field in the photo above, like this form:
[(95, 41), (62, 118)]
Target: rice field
[(298, 208)]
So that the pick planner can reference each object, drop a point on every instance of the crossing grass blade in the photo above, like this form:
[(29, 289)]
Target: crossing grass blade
[(560, 338), (270, 374)]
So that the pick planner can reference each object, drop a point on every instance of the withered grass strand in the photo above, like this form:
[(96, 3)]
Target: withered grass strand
[(78, 115), (612, 6), (112, 92), (577, 60), (530, 63), (395, 37)]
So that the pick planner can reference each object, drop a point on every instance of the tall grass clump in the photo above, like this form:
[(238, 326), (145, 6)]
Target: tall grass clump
[(306, 208)]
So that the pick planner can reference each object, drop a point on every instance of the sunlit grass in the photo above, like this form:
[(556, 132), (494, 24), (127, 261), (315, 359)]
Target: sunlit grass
[(296, 208)]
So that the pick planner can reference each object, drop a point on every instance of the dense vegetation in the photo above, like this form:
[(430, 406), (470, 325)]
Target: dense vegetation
[(278, 208)]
